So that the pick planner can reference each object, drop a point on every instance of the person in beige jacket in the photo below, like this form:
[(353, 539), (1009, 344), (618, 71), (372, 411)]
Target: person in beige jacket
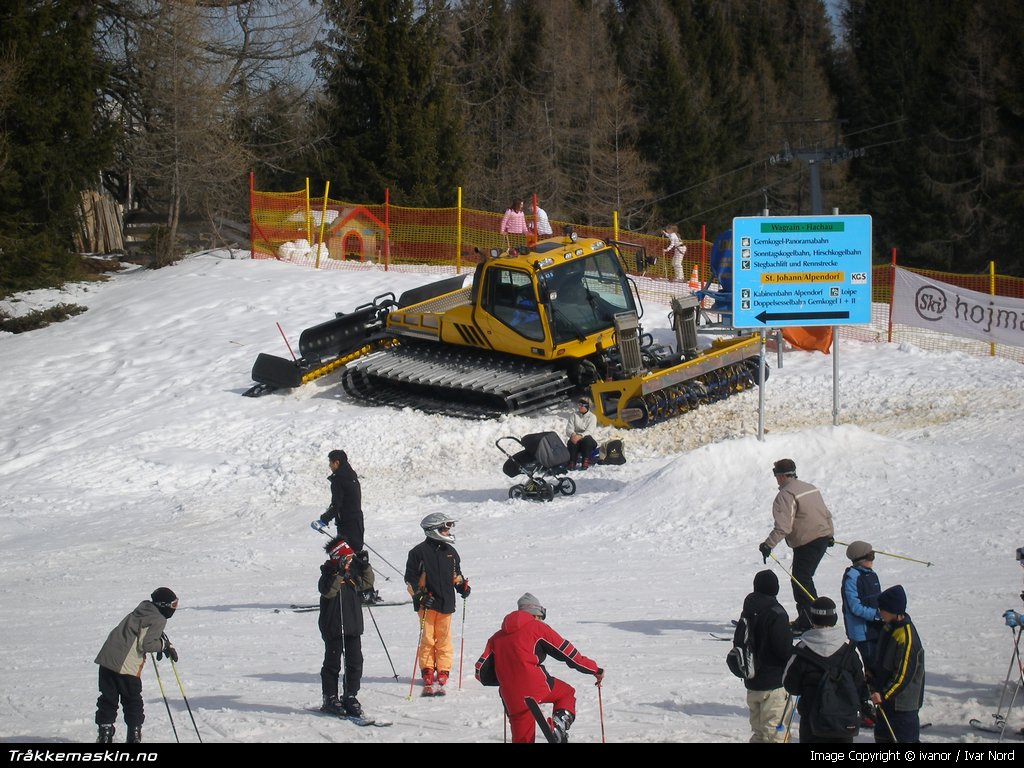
[(803, 520)]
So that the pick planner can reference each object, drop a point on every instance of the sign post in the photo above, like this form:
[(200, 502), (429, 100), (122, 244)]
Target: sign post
[(802, 271)]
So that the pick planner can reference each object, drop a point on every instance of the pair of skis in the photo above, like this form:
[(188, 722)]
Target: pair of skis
[(362, 722)]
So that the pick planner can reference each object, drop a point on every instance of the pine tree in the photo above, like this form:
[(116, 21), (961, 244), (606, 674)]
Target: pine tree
[(55, 135), (389, 103)]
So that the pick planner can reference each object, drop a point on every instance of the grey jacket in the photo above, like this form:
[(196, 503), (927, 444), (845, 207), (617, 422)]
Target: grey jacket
[(139, 633), (800, 515)]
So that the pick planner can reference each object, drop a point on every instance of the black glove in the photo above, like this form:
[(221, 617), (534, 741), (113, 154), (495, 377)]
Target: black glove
[(765, 551), (166, 650), (463, 588), (867, 709), (362, 556), (422, 599), (831, 541)]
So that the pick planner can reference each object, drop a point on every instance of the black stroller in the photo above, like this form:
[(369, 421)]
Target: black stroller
[(542, 456)]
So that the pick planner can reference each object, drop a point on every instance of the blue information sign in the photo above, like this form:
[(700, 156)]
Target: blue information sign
[(801, 270)]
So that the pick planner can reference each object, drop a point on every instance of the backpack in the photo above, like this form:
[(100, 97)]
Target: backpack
[(740, 659), (835, 711), (612, 453)]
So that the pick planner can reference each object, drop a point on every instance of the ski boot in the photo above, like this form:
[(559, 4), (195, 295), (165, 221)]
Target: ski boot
[(442, 681), (105, 735), (332, 706), (561, 720), (134, 734), (352, 707), (428, 683)]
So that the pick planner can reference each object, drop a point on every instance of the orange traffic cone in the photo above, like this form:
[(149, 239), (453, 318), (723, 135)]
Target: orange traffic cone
[(694, 279)]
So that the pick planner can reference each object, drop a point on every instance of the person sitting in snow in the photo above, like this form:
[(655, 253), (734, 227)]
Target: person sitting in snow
[(513, 660), (580, 441), (121, 660)]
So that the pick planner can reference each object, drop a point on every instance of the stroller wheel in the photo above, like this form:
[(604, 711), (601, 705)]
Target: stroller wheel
[(547, 492), (516, 492), (566, 486)]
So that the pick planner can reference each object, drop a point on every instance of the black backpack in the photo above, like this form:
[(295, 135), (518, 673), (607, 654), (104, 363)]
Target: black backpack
[(740, 659), (835, 711)]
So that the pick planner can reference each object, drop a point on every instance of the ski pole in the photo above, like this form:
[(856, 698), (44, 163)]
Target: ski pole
[(394, 672), (890, 554), (419, 644), (166, 703), (600, 710), (881, 710), (781, 727), (789, 723), (462, 641), (793, 578), (400, 573), (183, 696)]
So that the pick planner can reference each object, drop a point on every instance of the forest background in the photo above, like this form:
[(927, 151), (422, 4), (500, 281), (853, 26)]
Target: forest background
[(667, 111)]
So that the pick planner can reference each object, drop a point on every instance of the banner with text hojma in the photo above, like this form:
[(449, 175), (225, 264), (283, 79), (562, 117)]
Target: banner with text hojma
[(801, 270)]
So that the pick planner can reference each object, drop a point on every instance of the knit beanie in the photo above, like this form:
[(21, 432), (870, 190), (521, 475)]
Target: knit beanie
[(531, 605), (766, 583), (893, 600), (165, 601), (823, 612)]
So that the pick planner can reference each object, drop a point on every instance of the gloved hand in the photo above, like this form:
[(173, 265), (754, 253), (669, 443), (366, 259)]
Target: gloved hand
[(599, 676), (166, 650), (765, 551), (422, 599), (463, 588), (1013, 619), (363, 557), (831, 541), (318, 525)]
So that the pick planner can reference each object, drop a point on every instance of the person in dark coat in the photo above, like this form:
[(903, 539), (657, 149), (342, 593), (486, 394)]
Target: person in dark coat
[(342, 578), (773, 645), (122, 658), (897, 674), (823, 643), (433, 575), (346, 509)]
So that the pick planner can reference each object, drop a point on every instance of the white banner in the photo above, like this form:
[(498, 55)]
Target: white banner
[(925, 303)]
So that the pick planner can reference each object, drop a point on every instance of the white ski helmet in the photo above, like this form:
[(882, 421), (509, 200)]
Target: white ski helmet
[(434, 522)]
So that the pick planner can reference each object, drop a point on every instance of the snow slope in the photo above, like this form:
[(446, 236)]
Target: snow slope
[(131, 461)]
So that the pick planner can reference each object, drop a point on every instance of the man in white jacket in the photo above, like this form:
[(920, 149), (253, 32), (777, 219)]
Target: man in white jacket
[(579, 440)]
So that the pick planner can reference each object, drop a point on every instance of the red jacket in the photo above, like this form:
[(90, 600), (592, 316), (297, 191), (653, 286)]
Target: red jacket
[(514, 656)]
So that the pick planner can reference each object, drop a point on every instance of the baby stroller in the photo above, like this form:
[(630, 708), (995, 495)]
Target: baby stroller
[(541, 457)]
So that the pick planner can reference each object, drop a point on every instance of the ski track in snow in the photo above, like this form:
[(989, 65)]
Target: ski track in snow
[(131, 461)]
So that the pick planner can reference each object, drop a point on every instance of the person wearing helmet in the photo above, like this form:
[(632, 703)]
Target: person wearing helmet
[(513, 660), (121, 660), (433, 574), (580, 441), (343, 577)]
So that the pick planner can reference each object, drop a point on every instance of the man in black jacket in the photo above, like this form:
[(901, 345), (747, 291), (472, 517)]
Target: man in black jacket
[(342, 578), (768, 623), (897, 673), (346, 507)]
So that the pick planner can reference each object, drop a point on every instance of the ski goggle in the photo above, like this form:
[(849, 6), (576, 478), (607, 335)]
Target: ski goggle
[(173, 604), (445, 526)]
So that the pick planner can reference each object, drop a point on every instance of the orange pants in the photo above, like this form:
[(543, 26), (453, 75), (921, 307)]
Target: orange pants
[(436, 643)]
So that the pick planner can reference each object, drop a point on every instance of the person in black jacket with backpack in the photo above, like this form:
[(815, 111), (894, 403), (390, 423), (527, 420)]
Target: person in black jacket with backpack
[(822, 649), (768, 624)]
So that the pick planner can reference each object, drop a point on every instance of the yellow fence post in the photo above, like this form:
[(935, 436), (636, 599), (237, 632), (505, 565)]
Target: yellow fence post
[(323, 224), (458, 232), (992, 291)]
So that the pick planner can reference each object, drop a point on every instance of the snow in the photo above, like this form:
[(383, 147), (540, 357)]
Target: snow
[(131, 461)]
